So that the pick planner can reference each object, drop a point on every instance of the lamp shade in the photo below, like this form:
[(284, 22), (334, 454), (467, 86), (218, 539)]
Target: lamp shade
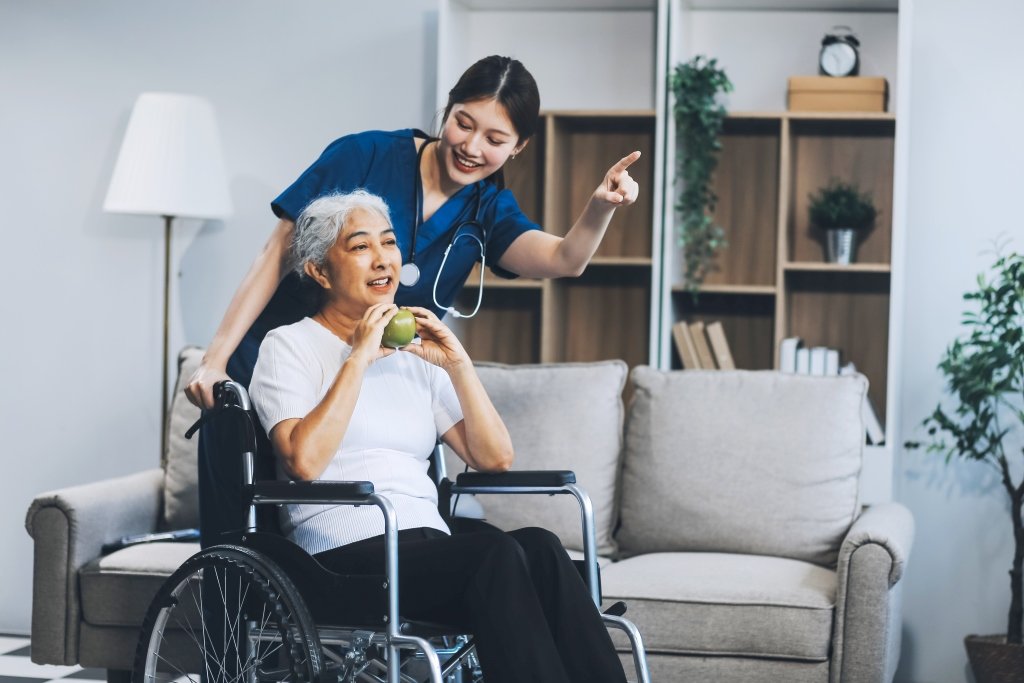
[(170, 163)]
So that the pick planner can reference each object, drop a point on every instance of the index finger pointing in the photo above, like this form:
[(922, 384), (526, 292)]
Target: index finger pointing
[(626, 161)]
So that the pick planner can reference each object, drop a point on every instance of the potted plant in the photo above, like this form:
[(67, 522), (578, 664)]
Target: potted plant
[(841, 210), (984, 372), (699, 117)]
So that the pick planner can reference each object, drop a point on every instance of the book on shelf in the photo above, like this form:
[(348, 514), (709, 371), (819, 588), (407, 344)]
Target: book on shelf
[(803, 361), (817, 360), (700, 343), (875, 433), (720, 346), (787, 353), (684, 345), (832, 362)]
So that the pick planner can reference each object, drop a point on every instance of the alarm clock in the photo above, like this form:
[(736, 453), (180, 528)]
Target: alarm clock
[(838, 56)]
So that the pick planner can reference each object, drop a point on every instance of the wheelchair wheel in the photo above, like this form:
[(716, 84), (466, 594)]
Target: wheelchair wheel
[(228, 615)]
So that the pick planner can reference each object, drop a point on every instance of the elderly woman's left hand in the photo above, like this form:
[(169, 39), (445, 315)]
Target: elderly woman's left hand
[(438, 345)]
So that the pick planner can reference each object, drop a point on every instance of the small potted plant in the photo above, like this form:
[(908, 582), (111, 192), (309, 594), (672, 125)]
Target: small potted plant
[(841, 210), (984, 371)]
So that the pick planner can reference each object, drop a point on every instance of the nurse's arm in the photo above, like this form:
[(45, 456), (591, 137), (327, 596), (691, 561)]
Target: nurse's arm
[(249, 300), (542, 255)]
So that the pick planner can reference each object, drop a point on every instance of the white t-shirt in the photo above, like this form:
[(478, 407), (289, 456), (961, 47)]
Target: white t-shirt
[(404, 405)]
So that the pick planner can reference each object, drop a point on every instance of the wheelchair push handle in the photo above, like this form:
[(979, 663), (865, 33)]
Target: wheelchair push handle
[(228, 395)]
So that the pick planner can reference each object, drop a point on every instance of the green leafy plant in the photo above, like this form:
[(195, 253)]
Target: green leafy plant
[(841, 205), (984, 371), (699, 117)]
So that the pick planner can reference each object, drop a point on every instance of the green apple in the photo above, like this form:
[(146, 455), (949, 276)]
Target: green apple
[(400, 330)]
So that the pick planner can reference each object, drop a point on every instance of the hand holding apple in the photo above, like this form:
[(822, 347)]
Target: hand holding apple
[(438, 345), (367, 337)]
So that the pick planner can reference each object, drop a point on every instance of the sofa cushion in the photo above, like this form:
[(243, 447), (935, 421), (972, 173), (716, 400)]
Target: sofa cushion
[(761, 463), (117, 589), (181, 489), (561, 416), (725, 604)]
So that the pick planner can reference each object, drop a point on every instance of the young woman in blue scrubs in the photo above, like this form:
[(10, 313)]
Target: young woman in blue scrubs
[(431, 187)]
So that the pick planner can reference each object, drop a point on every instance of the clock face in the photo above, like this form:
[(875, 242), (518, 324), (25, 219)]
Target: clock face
[(838, 59)]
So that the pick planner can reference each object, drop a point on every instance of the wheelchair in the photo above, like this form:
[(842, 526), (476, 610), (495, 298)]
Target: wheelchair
[(256, 608)]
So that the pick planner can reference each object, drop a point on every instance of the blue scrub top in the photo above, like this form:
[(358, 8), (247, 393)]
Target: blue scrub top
[(384, 163)]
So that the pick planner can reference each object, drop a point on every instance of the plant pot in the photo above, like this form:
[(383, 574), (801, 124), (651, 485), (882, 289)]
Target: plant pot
[(993, 660), (841, 245)]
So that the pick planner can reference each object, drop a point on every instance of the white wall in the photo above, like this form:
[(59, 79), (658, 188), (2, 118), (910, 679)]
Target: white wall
[(80, 290), (966, 141), (760, 50)]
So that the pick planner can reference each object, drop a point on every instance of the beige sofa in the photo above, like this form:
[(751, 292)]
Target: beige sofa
[(726, 512)]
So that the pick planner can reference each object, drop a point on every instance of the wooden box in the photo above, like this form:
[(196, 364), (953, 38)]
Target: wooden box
[(828, 93)]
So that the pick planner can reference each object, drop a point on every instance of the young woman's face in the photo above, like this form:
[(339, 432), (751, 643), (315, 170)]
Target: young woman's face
[(476, 140), (361, 269)]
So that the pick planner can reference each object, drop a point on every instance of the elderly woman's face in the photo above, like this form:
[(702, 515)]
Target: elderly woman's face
[(362, 266)]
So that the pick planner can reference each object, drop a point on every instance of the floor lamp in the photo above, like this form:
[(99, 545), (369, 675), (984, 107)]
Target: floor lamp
[(170, 165)]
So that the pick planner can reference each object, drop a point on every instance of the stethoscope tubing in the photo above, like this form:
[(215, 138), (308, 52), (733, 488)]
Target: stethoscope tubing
[(410, 273)]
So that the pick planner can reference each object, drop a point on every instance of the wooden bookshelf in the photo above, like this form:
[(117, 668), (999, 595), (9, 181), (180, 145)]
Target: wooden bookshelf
[(772, 281)]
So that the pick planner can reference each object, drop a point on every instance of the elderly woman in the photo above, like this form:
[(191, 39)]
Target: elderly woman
[(339, 406)]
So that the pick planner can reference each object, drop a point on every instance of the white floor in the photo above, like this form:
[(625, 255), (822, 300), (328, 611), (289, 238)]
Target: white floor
[(16, 667)]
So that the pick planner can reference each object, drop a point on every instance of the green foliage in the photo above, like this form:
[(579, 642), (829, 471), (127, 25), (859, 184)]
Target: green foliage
[(841, 205), (699, 118), (984, 371)]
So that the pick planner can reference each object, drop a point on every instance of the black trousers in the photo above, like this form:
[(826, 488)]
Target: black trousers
[(518, 593)]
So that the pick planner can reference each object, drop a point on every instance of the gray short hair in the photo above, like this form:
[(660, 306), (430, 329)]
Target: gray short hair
[(318, 226)]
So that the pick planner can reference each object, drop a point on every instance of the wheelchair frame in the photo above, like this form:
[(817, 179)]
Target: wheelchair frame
[(233, 396)]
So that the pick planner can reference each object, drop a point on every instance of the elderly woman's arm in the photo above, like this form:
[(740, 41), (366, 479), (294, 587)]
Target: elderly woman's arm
[(305, 446), (480, 438)]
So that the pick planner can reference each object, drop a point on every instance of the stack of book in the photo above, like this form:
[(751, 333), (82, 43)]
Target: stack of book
[(820, 360), (702, 346)]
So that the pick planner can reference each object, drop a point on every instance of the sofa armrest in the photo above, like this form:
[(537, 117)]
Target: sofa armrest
[(872, 558), (69, 527)]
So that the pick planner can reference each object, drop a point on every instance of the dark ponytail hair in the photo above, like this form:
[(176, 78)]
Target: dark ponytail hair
[(505, 80)]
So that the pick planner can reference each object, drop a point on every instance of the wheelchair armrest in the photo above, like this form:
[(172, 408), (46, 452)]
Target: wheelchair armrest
[(521, 479), (311, 491)]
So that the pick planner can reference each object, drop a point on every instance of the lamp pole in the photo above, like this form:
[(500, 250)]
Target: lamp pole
[(163, 374)]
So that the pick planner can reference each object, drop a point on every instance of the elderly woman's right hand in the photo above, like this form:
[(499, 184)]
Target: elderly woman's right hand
[(366, 338), (199, 389)]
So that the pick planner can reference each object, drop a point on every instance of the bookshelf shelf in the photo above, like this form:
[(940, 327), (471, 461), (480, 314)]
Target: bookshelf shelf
[(837, 268), (760, 290)]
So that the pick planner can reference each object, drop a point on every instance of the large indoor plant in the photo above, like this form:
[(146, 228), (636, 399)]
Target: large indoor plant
[(842, 211), (699, 117), (984, 372)]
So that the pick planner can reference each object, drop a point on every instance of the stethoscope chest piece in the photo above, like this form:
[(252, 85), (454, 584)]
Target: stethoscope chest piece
[(409, 275)]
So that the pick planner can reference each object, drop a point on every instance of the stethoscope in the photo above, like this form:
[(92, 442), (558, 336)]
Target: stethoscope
[(410, 272)]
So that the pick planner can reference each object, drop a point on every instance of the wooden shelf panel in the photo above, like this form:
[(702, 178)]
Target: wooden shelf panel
[(580, 149), (838, 268), (860, 151), (506, 329), (746, 183), (600, 316), (845, 311), (748, 321), (759, 290)]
